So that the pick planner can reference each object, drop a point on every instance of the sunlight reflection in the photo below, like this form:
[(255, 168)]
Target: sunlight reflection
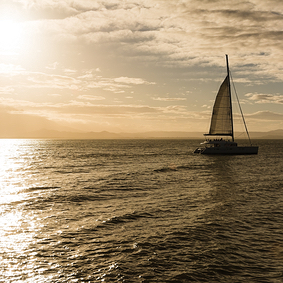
[(10, 173), (19, 223), (14, 244), (16, 227), (11, 238)]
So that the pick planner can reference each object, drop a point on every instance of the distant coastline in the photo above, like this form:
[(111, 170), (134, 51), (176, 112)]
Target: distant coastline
[(52, 134)]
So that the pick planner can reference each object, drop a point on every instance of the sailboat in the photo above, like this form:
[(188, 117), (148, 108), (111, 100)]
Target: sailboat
[(222, 125)]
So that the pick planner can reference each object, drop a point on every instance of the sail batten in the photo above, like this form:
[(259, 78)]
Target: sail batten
[(221, 120)]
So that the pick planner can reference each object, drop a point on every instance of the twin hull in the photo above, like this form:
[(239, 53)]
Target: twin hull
[(228, 150)]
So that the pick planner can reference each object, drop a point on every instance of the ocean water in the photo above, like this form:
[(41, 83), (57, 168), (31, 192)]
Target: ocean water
[(139, 211)]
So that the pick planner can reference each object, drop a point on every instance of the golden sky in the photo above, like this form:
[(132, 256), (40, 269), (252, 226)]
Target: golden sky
[(137, 65)]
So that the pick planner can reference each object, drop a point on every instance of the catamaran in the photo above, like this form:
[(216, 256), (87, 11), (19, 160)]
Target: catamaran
[(222, 125)]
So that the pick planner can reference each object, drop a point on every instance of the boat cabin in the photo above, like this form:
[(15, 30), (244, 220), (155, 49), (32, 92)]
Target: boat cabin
[(219, 143)]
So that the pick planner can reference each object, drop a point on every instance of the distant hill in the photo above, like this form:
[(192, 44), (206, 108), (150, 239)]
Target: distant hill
[(277, 134), (53, 134)]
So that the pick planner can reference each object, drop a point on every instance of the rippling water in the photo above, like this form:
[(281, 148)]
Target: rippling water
[(139, 211)]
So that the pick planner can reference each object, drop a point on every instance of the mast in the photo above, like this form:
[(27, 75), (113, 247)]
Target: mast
[(229, 90)]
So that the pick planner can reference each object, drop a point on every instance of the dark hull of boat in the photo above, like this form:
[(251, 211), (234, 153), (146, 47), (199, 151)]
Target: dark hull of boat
[(238, 150)]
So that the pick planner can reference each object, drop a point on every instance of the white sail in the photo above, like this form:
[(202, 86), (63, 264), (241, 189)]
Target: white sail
[(221, 120)]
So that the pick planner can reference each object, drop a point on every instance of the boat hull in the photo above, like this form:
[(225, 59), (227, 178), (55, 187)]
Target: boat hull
[(238, 150)]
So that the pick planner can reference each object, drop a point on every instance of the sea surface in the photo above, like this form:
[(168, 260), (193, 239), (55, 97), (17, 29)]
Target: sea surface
[(139, 211)]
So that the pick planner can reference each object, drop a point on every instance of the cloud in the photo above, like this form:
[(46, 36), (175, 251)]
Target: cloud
[(87, 108), (168, 98), (70, 80), (13, 123), (116, 85), (266, 115), (48, 9), (22, 104), (105, 51), (206, 106), (172, 33), (265, 98), (19, 77), (43, 80), (52, 66), (90, 97), (94, 109), (70, 71), (6, 90), (10, 69), (135, 81)]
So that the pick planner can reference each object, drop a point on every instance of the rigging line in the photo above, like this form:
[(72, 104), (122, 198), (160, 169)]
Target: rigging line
[(240, 107)]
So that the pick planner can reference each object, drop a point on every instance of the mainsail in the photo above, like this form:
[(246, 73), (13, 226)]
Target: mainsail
[(221, 120)]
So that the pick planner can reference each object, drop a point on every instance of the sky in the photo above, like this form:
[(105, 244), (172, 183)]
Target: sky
[(138, 65)]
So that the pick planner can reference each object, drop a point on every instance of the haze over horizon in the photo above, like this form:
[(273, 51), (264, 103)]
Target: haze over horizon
[(137, 65)]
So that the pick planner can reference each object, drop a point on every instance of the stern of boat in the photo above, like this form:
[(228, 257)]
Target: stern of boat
[(199, 150)]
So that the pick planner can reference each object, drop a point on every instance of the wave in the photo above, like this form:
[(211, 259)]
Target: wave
[(42, 188), (165, 169), (173, 167), (126, 218)]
